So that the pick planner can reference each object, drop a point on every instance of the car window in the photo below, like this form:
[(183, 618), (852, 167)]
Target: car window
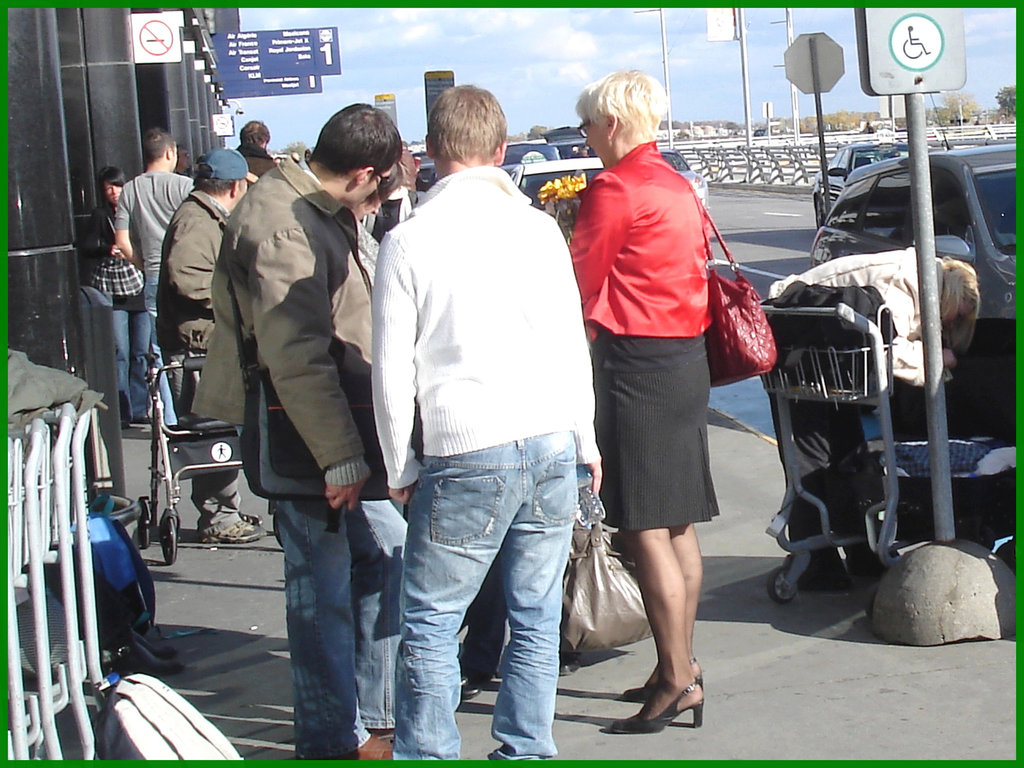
[(676, 161), (847, 210), (949, 206), (529, 153), (839, 161), (572, 151), (998, 193), (887, 214)]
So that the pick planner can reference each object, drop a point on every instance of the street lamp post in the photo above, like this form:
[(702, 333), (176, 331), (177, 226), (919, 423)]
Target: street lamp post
[(792, 88), (742, 22), (664, 59)]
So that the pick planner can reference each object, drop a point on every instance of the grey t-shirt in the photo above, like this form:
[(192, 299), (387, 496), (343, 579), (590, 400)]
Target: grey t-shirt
[(147, 203)]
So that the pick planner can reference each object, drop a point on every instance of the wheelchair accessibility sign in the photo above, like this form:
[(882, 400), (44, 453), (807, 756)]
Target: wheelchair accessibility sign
[(903, 51), (916, 42), (220, 452)]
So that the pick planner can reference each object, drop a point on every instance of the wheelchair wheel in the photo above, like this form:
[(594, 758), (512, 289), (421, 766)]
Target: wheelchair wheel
[(779, 588), (169, 536), (145, 520)]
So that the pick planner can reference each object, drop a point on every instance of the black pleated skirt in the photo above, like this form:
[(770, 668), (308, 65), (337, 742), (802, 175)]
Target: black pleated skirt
[(652, 429)]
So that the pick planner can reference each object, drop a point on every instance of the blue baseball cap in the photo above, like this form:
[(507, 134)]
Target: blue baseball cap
[(227, 164)]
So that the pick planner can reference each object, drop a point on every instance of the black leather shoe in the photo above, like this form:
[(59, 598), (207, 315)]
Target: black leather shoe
[(472, 684), (568, 663), (636, 724)]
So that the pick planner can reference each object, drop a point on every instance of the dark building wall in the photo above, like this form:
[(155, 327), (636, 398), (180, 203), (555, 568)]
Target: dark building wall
[(43, 303)]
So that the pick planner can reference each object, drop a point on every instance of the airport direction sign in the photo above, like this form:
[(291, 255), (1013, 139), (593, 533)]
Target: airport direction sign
[(435, 83), (284, 85), (276, 62)]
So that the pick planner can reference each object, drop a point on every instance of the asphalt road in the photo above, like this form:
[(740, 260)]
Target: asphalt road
[(769, 235)]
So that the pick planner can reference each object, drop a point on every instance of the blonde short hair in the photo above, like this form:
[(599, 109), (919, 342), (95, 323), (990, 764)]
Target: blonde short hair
[(959, 298), (633, 97), (465, 124)]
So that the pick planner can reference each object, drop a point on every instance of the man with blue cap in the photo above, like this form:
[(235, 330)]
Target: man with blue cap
[(185, 321)]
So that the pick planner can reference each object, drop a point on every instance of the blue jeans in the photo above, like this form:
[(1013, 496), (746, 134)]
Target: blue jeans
[(518, 499), (485, 627), (321, 631), (376, 536), (149, 293), (131, 345)]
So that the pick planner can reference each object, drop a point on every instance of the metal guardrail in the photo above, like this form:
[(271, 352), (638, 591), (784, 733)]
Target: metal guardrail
[(778, 161)]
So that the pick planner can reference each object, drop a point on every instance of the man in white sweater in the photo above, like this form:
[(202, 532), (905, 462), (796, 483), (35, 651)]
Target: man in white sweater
[(477, 322)]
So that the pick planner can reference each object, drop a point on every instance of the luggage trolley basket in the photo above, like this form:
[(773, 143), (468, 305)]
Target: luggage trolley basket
[(194, 446), (855, 369)]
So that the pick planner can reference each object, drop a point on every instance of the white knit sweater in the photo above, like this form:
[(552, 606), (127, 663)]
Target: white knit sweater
[(477, 320)]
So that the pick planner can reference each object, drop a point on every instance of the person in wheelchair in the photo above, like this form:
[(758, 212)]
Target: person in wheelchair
[(185, 322), (824, 434)]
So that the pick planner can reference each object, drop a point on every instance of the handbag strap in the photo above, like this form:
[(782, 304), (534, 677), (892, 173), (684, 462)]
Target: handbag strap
[(721, 241), (246, 347)]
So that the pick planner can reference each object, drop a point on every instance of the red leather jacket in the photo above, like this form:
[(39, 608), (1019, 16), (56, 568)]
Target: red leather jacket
[(639, 250)]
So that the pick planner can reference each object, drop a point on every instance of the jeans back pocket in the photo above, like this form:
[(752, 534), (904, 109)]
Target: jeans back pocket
[(464, 509)]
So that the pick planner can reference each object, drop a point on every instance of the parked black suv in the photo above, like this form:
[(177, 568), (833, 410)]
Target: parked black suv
[(974, 198)]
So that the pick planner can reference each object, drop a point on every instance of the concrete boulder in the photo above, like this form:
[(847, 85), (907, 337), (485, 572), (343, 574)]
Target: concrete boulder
[(945, 592)]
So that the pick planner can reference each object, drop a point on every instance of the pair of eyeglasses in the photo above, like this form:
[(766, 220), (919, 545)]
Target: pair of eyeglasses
[(382, 179), (583, 128)]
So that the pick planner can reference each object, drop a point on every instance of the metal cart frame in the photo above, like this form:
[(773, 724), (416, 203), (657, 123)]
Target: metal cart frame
[(861, 375), (193, 446)]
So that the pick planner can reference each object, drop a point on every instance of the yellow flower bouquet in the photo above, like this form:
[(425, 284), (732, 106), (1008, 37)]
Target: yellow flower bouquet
[(560, 198)]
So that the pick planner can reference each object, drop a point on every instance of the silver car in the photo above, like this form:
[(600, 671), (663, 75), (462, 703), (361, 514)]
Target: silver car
[(679, 164)]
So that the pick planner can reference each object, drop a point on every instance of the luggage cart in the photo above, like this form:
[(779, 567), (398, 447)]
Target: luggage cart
[(194, 446), (855, 375)]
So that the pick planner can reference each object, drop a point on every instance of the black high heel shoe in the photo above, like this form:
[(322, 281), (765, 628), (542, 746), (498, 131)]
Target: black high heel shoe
[(636, 724), (640, 695)]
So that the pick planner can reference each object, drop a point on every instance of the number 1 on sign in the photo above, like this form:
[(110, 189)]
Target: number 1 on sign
[(326, 49)]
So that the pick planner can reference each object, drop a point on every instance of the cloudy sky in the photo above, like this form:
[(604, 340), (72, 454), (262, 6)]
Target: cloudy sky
[(536, 60)]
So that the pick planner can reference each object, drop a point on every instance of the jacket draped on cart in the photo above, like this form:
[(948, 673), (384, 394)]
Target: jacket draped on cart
[(894, 274)]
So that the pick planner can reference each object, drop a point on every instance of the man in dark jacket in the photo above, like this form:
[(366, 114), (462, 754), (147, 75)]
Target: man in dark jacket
[(289, 256), (254, 138), (185, 321)]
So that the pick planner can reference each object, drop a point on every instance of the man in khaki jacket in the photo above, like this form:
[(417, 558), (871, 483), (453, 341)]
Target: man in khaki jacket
[(288, 254), (185, 321)]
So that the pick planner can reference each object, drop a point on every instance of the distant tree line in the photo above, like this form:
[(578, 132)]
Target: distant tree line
[(955, 107)]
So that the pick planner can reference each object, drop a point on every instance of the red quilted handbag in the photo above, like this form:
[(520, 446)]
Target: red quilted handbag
[(739, 341)]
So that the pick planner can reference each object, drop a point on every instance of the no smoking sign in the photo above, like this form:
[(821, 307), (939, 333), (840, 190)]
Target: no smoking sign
[(156, 37)]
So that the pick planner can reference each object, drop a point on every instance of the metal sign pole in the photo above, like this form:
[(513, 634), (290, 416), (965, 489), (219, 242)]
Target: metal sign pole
[(742, 23), (931, 320), (815, 74), (793, 97)]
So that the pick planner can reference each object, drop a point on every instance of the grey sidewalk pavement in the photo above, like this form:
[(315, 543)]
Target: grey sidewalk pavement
[(807, 680)]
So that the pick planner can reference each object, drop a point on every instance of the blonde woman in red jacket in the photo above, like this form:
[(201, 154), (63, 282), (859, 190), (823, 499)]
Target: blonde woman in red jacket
[(639, 252)]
